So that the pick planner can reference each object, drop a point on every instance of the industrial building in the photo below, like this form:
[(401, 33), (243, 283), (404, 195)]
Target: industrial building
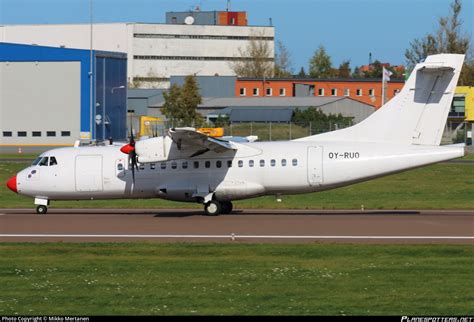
[(368, 91), (189, 43), (45, 96)]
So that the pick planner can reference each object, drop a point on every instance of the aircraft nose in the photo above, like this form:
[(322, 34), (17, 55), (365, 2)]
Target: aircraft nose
[(11, 184)]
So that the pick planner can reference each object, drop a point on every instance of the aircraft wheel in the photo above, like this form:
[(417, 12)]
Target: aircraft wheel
[(213, 208), (41, 210), (226, 207)]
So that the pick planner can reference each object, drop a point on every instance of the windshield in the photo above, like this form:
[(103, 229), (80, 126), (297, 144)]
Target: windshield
[(42, 161)]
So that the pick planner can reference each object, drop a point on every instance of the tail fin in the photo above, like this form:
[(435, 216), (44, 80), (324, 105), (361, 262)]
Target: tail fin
[(417, 115)]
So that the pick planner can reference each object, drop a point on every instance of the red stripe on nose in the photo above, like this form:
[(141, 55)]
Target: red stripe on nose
[(127, 149), (11, 184)]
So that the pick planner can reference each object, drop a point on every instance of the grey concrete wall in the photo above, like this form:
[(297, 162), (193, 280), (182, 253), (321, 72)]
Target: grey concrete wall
[(41, 97)]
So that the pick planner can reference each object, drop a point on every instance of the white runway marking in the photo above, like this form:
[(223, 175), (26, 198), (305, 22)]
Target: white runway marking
[(232, 236)]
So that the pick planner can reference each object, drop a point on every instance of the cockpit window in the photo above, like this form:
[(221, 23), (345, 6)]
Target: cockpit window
[(43, 162), (52, 161), (37, 160)]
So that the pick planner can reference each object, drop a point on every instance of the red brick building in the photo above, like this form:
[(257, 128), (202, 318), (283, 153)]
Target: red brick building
[(368, 91)]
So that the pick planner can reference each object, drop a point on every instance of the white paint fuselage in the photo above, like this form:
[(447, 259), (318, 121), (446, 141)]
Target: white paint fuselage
[(95, 172)]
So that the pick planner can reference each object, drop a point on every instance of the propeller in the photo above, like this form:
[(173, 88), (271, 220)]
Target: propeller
[(132, 154)]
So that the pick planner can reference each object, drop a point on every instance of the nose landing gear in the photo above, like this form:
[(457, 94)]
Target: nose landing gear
[(41, 210), (42, 207)]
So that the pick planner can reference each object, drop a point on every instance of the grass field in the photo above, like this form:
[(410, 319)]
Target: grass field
[(215, 279), (441, 186)]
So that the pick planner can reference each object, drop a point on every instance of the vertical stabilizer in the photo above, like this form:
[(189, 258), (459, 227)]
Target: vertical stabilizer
[(417, 115)]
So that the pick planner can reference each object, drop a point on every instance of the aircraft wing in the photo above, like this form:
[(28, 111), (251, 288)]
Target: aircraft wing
[(188, 137)]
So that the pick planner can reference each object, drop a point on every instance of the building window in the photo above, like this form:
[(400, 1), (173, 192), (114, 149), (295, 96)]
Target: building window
[(174, 20), (21, 133), (7, 133), (282, 91), (347, 92), (333, 91), (268, 92), (371, 92), (50, 133), (36, 133), (255, 92), (65, 133), (232, 21), (320, 91), (359, 92), (242, 91)]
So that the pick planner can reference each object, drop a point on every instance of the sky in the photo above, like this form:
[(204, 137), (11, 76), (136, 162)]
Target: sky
[(348, 29)]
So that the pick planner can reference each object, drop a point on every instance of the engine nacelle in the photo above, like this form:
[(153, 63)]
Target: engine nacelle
[(154, 149)]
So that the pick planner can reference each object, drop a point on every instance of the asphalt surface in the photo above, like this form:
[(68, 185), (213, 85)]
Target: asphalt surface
[(288, 226)]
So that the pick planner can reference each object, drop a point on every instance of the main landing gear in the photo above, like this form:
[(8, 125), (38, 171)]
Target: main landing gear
[(215, 208)]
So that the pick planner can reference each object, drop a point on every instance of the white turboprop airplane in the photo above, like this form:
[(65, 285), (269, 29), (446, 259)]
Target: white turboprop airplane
[(186, 165)]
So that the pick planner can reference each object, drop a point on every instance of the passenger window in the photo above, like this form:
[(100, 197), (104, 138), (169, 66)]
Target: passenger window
[(207, 164), (120, 167), (229, 163), (52, 161), (262, 163), (294, 162), (174, 165), (163, 165), (43, 162), (283, 162), (241, 163), (272, 162), (251, 163), (185, 164), (152, 166), (218, 164), (196, 164), (141, 167)]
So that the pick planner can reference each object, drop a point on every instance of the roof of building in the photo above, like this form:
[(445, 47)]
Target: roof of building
[(309, 79), (260, 115)]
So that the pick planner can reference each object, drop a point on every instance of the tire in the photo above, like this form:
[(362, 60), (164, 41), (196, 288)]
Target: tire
[(226, 207), (213, 208), (41, 210)]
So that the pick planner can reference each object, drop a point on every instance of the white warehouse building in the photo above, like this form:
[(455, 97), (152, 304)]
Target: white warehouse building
[(205, 44)]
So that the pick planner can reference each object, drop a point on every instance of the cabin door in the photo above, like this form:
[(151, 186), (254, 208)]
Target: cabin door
[(315, 165), (89, 173)]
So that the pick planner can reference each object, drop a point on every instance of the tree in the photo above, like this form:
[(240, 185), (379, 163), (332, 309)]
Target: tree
[(256, 60), (448, 38), (319, 121), (181, 104), (344, 70), (302, 73), (190, 99), (320, 64), (282, 61)]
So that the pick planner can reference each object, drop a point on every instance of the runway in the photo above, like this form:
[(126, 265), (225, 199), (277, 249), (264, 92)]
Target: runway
[(282, 226)]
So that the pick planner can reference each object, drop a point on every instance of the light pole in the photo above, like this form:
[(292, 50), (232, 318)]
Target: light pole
[(112, 90), (91, 78)]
